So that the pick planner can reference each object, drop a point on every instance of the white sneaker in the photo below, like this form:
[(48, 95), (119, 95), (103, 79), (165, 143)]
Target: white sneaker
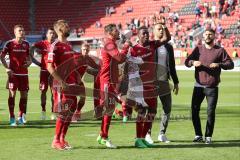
[(163, 138), (53, 116), (43, 115), (109, 144), (24, 118), (148, 138), (208, 140)]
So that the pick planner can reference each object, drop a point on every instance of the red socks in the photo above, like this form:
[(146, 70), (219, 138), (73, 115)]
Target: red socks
[(64, 130), (106, 120), (58, 130), (139, 129)]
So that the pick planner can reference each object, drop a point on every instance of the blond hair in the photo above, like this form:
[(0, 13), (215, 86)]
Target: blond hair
[(59, 24), (17, 26)]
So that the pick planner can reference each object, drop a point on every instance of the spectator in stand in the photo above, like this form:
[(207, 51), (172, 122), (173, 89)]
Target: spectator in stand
[(221, 4), (111, 10), (238, 23), (225, 7), (196, 24), (167, 8), (190, 42), (129, 9), (145, 22), (79, 32), (175, 17), (98, 24), (219, 29), (137, 22), (214, 10), (207, 10), (43, 33), (134, 30), (162, 9), (95, 43), (119, 26), (230, 3), (107, 10), (197, 11), (209, 23)]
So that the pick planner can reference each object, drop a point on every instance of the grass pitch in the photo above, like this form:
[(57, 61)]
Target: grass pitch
[(33, 140)]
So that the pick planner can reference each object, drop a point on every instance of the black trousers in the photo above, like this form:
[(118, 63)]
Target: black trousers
[(211, 94)]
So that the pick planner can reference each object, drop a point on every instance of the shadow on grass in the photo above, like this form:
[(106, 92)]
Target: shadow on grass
[(218, 144), (48, 124), (190, 141)]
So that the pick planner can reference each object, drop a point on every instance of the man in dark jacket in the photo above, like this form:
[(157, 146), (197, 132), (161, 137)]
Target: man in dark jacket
[(164, 71), (208, 60)]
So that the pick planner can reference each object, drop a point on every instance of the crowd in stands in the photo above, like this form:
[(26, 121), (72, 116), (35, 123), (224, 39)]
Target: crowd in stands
[(78, 31), (208, 15)]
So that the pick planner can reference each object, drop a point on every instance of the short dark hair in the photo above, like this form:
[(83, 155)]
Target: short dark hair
[(109, 28), (50, 28), (142, 28), (210, 30)]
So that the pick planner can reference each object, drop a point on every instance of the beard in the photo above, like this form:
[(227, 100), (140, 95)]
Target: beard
[(67, 34), (209, 41)]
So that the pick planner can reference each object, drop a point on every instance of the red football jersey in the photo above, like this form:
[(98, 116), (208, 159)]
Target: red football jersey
[(44, 47), (61, 55), (111, 57), (18, 54), (148, 68), (82, 62), (81, 69)]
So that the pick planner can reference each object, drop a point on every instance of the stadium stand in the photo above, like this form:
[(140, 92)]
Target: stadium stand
[(36, 16)]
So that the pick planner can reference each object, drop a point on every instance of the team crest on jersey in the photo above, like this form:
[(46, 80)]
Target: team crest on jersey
[(24, 45)]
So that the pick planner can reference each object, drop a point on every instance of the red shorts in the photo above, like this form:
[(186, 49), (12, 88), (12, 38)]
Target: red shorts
[(19, 82), (63, 103), (44, 80), (107, 95), (150, 94)]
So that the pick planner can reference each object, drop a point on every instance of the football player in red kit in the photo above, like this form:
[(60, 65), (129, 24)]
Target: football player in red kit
[(147, 71), (62, 65), (42, 48), (86, 61), (17, 70), (111, 57), (61, 68)]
